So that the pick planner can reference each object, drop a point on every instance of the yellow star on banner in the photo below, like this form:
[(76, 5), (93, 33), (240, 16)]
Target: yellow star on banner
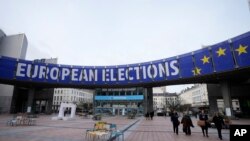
[(241, 49), (205, 59), (196, 71), (221, 52)]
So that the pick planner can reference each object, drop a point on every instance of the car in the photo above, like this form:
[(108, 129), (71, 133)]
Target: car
[(160, 113)]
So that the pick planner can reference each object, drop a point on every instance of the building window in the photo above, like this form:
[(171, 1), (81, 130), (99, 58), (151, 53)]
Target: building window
[(122, 93)]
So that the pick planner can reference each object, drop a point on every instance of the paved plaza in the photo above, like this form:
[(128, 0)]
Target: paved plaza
[(138, 129)]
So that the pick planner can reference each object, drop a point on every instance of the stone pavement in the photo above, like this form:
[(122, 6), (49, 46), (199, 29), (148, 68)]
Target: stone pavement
[(159, 129)]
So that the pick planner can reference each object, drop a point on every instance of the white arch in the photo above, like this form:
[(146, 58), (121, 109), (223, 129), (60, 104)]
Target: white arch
[(63, 106)]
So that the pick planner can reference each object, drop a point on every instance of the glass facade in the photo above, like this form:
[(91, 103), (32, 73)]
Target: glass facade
[(119, 101)]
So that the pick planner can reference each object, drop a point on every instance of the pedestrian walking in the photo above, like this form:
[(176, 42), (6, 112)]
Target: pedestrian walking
[(218, 121), (147, 116), (204, 118), (187, 123), (175, 122), (152, 115)]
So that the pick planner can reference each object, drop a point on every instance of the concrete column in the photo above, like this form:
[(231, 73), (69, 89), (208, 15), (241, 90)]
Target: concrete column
[(30, 100), (226, 93), (73, 111), (113, 111), (213, 107), (148, 100), (61, 111), (123, 111)]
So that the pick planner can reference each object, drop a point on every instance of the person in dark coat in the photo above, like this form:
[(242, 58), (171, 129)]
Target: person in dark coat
[(218, 121), (204, 117), (175, 122), (187, 123), (147, 116), (152, 115)]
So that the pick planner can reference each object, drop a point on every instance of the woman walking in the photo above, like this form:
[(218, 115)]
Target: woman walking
[(204, 117)]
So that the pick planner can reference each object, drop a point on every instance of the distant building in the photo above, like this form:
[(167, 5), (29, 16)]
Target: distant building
[(159, 89), (10, 46), (159, 98), (196, 96), (161, 101), (48, 60), (70, 95), (235, 105)]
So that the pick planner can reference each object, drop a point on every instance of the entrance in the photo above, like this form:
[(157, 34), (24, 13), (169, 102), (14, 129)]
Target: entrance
[(41, 106), (120, 111)]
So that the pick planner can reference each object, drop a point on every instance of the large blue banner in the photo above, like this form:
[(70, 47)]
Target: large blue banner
[(134, 73), (77, 75), (186, 65), (221, 57), (26, 71), (159, 70), (203, 62), (111, 75), (172, 68), (7, 67), (123, 74), (100, 74), (54, 73), (147, 72), (241, 48), (65, 74)]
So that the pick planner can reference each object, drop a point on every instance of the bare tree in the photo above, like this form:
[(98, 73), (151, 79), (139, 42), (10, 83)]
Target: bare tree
[(173, 103), (83, 106)]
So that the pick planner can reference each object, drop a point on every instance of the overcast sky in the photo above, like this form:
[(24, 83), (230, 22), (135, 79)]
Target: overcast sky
[(111, 32)]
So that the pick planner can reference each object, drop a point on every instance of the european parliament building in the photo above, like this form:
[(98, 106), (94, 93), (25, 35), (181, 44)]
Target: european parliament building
[(11, 46), (119, 101)]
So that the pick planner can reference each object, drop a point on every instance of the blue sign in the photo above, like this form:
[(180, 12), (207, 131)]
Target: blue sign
[(133, 97), (222, 57)]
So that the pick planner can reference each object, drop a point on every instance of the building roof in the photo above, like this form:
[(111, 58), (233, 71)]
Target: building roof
[(190, 88), (164, 94)]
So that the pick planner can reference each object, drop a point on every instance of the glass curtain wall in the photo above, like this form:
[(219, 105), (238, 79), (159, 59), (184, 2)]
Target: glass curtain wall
[(118, 101)]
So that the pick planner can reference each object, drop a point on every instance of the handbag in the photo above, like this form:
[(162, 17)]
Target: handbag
[(201, 123), (178, 122)]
